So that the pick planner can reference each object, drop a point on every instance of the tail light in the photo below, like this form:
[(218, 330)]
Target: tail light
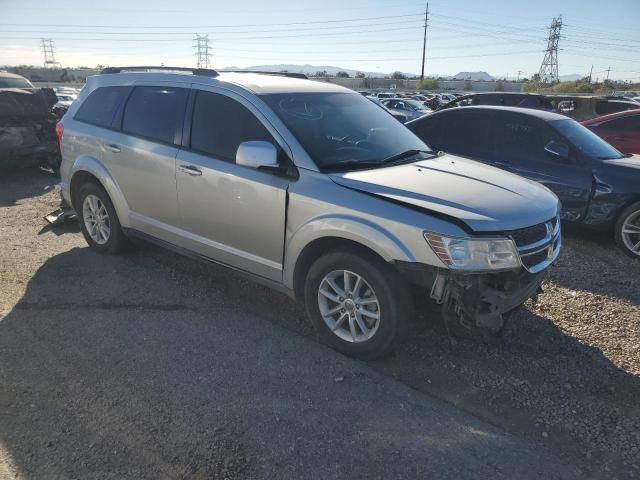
[(59, 132)]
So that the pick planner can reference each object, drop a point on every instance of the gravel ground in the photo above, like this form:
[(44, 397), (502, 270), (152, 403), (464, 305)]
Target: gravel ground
[(565, 374)]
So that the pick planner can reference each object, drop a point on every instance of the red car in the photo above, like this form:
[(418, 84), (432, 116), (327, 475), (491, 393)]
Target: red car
[(622, 129)]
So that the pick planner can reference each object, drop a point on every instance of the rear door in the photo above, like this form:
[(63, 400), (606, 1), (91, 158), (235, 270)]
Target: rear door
[(231, 213), (144, 153), (520, 141), (462, 131)]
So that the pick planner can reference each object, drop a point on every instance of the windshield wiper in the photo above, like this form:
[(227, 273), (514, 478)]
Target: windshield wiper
[(399, 157), (393, 159)]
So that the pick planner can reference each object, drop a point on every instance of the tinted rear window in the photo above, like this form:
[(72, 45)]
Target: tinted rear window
[(101, 105), (155, 113)]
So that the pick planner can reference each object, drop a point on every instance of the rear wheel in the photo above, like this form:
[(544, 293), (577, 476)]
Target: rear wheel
[(358, 304), (627, 230), (99, 222)]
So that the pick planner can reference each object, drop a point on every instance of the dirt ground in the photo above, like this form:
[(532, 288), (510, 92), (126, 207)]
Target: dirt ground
[(565, 373)]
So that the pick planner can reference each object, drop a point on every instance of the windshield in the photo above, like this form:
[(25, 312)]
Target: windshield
[(585, 140), (14, 82), (342, 127)]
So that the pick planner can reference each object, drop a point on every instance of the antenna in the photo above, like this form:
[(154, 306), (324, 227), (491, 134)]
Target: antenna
[(202, 51), (48, 51), (549, 69)]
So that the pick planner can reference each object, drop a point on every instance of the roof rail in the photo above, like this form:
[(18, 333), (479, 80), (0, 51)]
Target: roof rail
[(279, 74), (205, 72)]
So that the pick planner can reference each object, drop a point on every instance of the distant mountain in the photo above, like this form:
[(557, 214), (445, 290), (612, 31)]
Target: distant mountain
[(475, 76), (570, 78), (309, 69)]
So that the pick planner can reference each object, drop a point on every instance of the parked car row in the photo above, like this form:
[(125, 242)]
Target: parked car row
[(598, 185), (310, 188)]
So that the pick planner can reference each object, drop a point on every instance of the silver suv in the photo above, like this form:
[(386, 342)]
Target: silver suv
[(310, 188)]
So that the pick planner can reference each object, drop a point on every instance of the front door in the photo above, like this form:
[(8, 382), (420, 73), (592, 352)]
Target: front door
[(519, 147), (232, 214)]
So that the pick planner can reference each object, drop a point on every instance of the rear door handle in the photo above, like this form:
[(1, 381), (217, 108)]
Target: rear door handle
[(190, 170), (112, 147)]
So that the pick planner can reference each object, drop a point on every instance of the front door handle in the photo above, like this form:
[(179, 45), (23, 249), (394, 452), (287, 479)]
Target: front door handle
[(112, 147), (190, 170)]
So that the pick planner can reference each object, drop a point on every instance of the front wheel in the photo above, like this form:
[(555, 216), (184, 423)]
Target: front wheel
[(627, 230), (358, 304)]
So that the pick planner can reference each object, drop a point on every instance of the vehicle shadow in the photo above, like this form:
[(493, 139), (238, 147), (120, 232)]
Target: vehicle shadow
[(591, 261), (125, 367), (16, 184)]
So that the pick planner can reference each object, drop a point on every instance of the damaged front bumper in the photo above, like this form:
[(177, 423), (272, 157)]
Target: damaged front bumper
[(481, 300), (475, 300)]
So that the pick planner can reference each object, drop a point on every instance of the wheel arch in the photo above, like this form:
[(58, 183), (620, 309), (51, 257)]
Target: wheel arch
[(324, 234), (88, 169)]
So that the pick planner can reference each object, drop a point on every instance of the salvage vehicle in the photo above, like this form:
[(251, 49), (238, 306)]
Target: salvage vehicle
[(622, 130), (597, 185), (27, 125), (309, 188)]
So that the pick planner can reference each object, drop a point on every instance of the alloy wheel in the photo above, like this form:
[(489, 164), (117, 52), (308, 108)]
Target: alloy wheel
[(349, 306), (631, 232), (96, 219)]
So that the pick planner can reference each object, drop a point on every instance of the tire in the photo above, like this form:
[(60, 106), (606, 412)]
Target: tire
[(629, 221), (378, 280), (113, 243)]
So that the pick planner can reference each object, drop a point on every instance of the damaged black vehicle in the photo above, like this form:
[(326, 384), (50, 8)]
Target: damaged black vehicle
[(27, 124)]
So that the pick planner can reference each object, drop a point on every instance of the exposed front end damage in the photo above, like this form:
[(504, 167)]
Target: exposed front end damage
[(480, 300)]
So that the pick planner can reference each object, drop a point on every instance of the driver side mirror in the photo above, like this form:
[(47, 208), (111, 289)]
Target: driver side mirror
[(257, 154), (558, 151)]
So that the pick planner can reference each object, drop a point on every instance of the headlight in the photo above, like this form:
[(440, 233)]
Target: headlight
[(474, 254)]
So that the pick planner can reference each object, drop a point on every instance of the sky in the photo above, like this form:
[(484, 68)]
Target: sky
[(506, 38)]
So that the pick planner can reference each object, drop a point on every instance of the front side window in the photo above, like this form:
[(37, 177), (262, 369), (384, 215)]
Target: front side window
[(585, 140), (155, 113), (342, 128), (101, 105), (520, 139), (220, 124)]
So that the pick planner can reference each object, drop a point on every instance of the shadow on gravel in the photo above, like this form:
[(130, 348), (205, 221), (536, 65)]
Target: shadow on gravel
[(25, 183), (124, 367), (592, 261)]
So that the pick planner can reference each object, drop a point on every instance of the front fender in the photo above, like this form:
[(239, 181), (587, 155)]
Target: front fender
[(89, 164), (359, 230)]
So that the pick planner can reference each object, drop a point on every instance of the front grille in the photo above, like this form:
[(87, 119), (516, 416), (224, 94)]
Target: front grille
[(539, 245), (527, 236), (534, 259)]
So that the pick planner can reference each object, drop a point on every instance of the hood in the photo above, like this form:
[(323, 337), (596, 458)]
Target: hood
[(484, 198), (628, 162)]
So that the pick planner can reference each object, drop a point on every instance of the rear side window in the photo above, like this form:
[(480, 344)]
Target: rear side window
[(155, 113), (220, 124), (101, 105)]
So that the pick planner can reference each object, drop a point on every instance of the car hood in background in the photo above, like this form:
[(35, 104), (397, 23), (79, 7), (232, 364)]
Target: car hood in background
[(630, 162), (485, 198)]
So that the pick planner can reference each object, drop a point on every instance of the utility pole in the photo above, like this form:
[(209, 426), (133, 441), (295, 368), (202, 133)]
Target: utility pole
[(48, 51), (519, 73), (548, 72), (424, 43), (590, 74), (202, 51), (608, 72)]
